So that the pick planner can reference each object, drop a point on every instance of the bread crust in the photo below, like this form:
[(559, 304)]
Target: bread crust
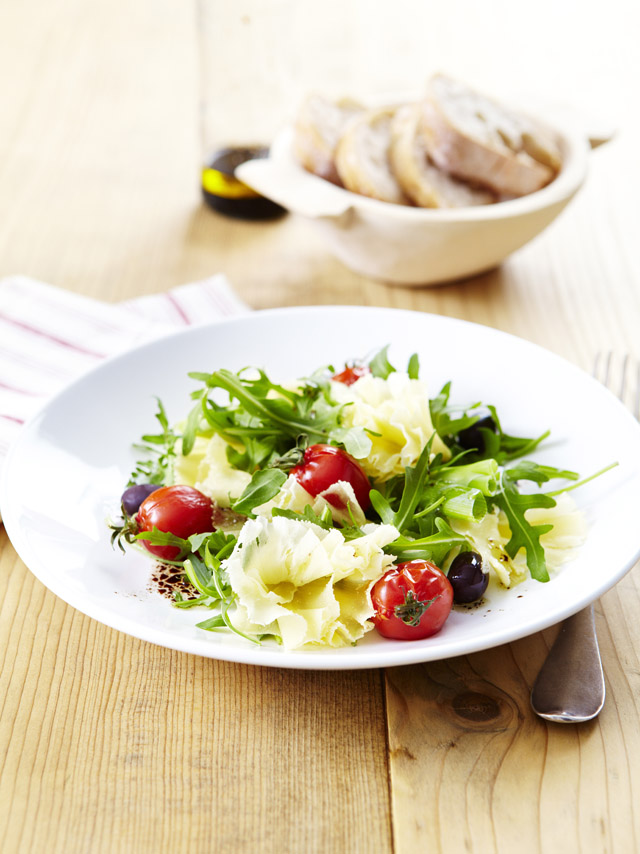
[(318, 127), (362, 157), (424, 183), (477, 140)]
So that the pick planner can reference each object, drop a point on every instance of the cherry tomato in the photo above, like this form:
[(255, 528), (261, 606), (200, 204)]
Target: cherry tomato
[(179, 510), (324, 465), (412, 601), (351, 374)]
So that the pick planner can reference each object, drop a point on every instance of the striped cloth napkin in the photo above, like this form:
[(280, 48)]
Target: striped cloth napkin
[(49, 336)]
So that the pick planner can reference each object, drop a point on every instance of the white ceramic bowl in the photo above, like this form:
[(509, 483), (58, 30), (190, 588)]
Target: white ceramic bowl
[(415, 246)]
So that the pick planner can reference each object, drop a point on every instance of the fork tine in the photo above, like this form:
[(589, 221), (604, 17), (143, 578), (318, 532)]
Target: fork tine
[(602, 367), (623, 378), (621, 374)]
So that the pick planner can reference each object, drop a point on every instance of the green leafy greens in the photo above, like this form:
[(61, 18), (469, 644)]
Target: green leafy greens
[(267, 419), (268, 426)]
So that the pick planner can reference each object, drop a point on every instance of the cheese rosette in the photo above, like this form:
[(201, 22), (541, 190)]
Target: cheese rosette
[(304, 583), (208, 469), (490, 536), (396, 412), (293, 496)]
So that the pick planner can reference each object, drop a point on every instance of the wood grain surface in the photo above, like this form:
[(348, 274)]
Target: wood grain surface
[(109, 744)]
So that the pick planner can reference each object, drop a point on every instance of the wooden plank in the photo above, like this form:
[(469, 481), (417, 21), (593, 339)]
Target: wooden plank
[(109, 744), (473, 769)]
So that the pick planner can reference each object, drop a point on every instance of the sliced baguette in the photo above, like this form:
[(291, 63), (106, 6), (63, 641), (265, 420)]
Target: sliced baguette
[(422, 181), (362, 157), (318, 127), (478, 140)]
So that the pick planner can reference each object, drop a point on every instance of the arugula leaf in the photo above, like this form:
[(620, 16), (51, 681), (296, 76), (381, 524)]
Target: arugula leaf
[(163, 538), (256, 453), (158, 451), (529, 470), (523, 533), (515, 504), (442, 414), (217, 545), (351, 532), (280, 412), (413, 368), (433, 547), (584, 480), (216, 622), (200, 576), (508, 447), (263, 486), (203, 569), (192, 426), (415, 479), (180, 602), (449, 421), (380, 365), (355, 440), (265, 419), (382, 506), (307, 515)]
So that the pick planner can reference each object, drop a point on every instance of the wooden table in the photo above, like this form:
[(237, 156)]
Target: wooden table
[(109, 744)]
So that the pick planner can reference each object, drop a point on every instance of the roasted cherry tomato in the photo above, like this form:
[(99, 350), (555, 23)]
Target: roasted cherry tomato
[(351, 374), (179, 510), (412, 601), (324, 465)]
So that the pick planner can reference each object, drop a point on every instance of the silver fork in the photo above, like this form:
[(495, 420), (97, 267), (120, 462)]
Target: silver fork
[(570, 686)]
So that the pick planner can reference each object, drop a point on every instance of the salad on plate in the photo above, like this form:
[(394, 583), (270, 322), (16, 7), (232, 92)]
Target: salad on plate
[(312, 512)]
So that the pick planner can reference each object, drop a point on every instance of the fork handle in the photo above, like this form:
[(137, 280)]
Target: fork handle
[(570, 686)]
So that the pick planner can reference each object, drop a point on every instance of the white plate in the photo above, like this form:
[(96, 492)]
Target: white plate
[(70, 464)]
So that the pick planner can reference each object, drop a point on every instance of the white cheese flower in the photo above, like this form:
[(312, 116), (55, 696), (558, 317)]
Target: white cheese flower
[(305, 583), (208, 469), (489, 537), (396, 411)]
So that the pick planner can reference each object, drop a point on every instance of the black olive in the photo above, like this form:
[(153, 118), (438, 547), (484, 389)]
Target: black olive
[(467, 578)]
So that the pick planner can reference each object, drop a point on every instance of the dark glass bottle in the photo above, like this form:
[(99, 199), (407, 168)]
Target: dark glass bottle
[(227, 195)]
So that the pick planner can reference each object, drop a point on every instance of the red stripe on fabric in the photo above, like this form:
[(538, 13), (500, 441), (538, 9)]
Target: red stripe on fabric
[(98, 322), (62, 342), (18, 390), (214, 297), (12, 418), (178, 308), (34, 364)]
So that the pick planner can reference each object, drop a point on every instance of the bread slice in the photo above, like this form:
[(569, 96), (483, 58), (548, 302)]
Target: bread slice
[(319, 125), (362, 157), (422, 181), (478, 140)]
